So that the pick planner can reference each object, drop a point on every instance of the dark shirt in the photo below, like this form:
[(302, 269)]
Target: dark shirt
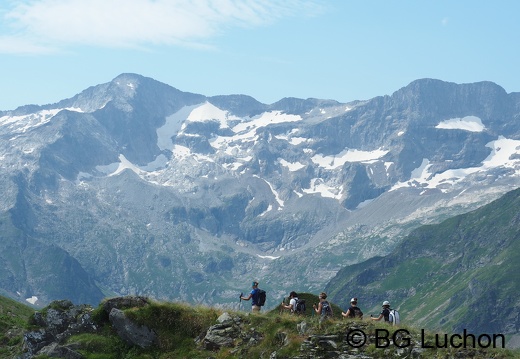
[(386, 314), (352, 311)]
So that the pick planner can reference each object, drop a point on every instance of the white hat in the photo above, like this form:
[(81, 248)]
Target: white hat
[(353, 300), (386, 302)]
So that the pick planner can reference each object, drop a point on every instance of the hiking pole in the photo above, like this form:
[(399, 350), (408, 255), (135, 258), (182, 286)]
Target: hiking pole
[(281, 306)]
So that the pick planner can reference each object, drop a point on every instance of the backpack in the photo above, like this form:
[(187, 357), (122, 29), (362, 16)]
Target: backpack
[(357, 313), (326, 310), (300, 306), (261, 297), (393, 318)]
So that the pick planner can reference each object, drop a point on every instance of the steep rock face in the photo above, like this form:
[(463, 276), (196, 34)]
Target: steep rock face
[(35, 269), (181, 196)]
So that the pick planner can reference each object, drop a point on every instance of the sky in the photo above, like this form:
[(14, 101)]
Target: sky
[(343, 50)]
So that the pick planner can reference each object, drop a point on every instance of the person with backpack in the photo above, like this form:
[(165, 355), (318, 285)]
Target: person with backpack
[(324, 309), (385, 313), (258, 297), (390, 316), (296, 306), (353, 311)]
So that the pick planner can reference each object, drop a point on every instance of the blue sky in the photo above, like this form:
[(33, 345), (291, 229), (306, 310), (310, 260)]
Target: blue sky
[(337, 49)]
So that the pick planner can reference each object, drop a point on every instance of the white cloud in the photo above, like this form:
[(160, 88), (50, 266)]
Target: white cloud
[(39, 25), (20, 45)]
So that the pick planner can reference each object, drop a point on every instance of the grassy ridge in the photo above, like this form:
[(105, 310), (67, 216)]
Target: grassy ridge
[(178, 326), (455, 275), (14, 318)]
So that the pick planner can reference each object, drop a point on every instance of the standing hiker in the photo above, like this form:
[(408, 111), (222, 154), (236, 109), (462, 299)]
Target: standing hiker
[(353, 311), (255, 295), (323, 308), (293, 303), (385, 313), (391, 316)]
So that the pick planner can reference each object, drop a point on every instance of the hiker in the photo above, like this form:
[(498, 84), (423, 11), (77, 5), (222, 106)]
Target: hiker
[(353, 311), (292, 302), (323, 308), (255, 304), (385, 313)]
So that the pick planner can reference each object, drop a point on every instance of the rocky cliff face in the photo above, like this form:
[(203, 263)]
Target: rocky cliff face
[(144, 189)]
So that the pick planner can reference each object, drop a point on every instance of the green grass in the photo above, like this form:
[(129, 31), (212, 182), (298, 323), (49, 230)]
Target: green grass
[(14, 319), (410, 273), (178, 325), (175, 322)]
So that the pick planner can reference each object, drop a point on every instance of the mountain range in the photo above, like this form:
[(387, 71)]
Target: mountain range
[(135, 187)]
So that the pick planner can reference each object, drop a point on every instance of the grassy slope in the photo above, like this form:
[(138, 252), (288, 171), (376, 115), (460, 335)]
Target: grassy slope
[(14, 317), (178, 325), (456, 275)]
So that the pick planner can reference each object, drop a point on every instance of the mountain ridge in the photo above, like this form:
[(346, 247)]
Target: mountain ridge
[(455, 275), (158, 191)]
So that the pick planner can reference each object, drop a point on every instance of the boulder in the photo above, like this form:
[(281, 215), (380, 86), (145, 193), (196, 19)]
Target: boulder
[(125, 303), (130, 332), (222, 334), (55, 350)]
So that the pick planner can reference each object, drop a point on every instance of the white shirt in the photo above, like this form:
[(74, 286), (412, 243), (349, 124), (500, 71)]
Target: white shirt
[(292, 303)]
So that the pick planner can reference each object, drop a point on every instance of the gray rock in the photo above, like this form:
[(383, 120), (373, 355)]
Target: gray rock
[(225, 318), (57, 321), (301, 327), (54, 350), (124, 303), (61, 320), (36, 340), (221, 335), (130, 332)]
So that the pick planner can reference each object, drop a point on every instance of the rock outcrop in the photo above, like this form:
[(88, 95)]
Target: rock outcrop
[(231, 334), (62, 319)]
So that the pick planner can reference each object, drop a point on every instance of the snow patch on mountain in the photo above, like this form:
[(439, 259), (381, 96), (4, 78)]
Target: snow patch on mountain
[(292, 139), (348, 155), (159, 163), (172, 126), (245, 132), (295, 141), (275, 193), (292, 166), (505, 153), (24, 123), (268, 257), (182, 153), (468, 123), (32, 300), (318, 186), (125, 164), (209, 112), (265, 119)]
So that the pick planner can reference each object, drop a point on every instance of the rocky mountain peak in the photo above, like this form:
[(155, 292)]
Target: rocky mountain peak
[(157, 191)]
